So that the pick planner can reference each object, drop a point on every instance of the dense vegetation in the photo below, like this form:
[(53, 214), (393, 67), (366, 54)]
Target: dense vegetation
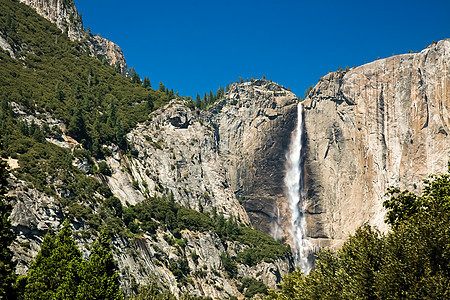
[(53, 78), (7, 266), (59, 272), (410, 262), (51, 75)]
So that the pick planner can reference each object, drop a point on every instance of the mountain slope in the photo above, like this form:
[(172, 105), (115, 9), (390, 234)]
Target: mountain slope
[(69, 130), (64, 14)]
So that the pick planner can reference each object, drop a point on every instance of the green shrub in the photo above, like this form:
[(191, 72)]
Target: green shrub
[(228, 264), (251, 287), (104, 169)]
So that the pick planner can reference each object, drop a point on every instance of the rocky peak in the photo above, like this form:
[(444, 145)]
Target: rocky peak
[(65, 15), (61, 12), (230, 154), (254, 127)]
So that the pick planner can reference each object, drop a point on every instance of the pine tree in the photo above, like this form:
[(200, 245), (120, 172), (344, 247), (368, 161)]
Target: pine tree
[(198, 102), (100, 277), (7, 272), (54, 273), (162, 88), (149, 101), (147, 83), (112, 114), (136, 78), (59, 92), (77, 125), (120, 137)]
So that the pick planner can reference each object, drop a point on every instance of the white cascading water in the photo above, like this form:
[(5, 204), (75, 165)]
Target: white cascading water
[(294, 184)]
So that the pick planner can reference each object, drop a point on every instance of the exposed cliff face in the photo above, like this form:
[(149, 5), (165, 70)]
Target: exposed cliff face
[(254, 127), (65, 15), (178, 153), (234, 151), (382, 124)]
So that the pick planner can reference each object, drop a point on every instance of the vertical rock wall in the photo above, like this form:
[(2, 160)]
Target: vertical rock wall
[(382, 124), (254, 127)]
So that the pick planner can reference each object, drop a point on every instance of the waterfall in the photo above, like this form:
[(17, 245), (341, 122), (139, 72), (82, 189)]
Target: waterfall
[(294, 185)]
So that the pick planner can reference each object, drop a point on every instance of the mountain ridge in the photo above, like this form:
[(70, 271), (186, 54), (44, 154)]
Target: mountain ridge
[(65, 15)]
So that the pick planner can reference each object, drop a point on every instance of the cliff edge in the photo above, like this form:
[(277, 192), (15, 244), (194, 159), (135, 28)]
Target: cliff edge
[(65, 15)]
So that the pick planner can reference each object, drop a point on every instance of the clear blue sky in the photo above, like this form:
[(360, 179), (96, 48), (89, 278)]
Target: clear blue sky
[(197, 46)]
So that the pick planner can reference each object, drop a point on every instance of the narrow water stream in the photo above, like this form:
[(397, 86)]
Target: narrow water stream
[(294, 184)]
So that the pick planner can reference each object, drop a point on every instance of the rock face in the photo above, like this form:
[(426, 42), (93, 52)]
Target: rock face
[(254, 127), (6, 46), (65, 15), (178, 153), (233, 151), (382, 124)]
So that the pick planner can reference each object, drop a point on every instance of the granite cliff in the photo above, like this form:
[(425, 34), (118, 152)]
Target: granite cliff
[(382, 124), (254, 129)]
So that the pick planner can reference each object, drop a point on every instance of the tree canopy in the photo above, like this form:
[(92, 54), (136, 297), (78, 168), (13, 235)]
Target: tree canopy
[(410, 262), (7, 266), (59, 272)]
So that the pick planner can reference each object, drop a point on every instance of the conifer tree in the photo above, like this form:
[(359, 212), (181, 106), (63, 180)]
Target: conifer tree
[(198, 102), (54, 273), (59, 92), (136, 78), (77, 125), (112, 114), (162, 88), (120, 136), (150, 103), (100, 278), (147, 83), (7, 274)]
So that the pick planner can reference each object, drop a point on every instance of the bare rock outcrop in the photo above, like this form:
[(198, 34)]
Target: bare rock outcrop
[(65, 15), (254, 127), (230, 154), (177, 153), (5, 46), (381, 124)]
